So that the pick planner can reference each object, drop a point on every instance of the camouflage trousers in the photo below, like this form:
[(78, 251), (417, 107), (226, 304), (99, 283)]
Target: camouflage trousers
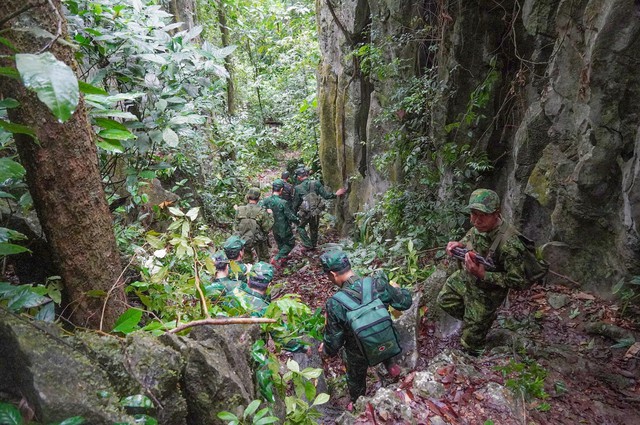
[(309, 240), (477, 307), (261, 248), (285, 244), (357, 367)]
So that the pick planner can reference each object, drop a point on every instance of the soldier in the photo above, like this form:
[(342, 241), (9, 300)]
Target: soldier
[(253, 223), (283, 217), (473, 294), (234, 248), (308, 205), (252, 297), (288, 190), (338, 333), (221, 284)]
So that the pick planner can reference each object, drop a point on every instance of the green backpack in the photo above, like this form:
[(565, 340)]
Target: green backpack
[(371, 323), (312, 204), (248, 228)]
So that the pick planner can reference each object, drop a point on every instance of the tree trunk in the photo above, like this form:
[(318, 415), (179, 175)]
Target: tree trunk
[(224, 38), (64, 179)]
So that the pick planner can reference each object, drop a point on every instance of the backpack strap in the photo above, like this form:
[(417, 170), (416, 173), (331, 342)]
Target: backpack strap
[(367, 290), (500, 237), (352, 300)]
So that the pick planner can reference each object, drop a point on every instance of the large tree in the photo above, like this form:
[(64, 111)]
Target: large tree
[(62, 171)]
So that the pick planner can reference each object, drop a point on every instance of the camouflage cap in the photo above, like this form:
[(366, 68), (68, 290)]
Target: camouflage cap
[(232, 246), (253, 193), (284, 175), (220, 258), (261, 274), (302, 171), (484, 200), (335, 261), (277, 184)]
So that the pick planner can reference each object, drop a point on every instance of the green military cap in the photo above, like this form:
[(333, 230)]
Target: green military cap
[(220, 258), (261, 274), (484, 200), (277, 184), (253, 193), (233, 245), (302, 171), (334, 261)]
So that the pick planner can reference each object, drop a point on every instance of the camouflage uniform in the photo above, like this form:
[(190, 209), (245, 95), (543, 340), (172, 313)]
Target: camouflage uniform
[(337, 332), (252, 225), (283, 217), (288, 190), (476, 301), (238, 270), (309, 240)]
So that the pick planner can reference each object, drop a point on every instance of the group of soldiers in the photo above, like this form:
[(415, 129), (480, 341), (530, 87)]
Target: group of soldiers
[(288, 205), (472, 294)]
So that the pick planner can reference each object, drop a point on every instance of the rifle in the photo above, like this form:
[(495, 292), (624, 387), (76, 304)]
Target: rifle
[(459, 253)]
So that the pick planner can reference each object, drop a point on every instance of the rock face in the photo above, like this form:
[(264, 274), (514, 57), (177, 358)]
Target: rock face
[(188, 379), (560, 129)]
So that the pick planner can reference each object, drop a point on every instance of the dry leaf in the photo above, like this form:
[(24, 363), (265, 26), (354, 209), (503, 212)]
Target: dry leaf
[(583, 296), (632, 351)]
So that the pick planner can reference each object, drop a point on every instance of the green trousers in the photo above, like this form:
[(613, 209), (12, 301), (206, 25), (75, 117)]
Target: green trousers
[(309, 240)]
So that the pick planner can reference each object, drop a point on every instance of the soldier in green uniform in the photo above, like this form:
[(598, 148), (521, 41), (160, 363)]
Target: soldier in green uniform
[(221, 284), (252, 225), (283, 217), (337, 332), (288, 190), (473, 294), (234, 248), (306, 204), (253, 297)]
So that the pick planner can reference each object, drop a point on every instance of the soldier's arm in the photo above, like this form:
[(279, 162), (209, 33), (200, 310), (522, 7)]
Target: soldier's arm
[(512, 258), (320, 190), (333, 333), (396, 297), (289, 214)]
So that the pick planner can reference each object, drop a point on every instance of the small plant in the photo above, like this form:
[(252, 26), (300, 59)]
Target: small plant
[(249, 415), (299, 411), (526, 380), (10, 415), (627, 291)]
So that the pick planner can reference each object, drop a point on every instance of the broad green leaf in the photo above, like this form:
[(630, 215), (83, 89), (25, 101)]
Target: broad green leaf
[(9, 414), (116, 134), (266, 420), (251, 408), (9, 103), (187, 119), (293, 366), (128, 321), (176, 211), (17, 128), (10, 249), (114, 113), (321, 399), (147, 174), (6, 195), (7, 43), (53, 81), (170, 137), (87, 88), (24, 297), (193, 213), (109, 123), (227, 416), (10, 169), (47, 313), (9, 72), (111, 146)]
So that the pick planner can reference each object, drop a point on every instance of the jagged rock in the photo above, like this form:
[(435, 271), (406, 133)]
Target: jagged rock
[(407, 329), (387, 404), (557, 301), (427, 385)]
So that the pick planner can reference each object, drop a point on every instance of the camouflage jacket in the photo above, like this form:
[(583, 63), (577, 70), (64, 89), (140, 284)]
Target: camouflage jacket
[(238, 271), (508, 257), (282, 215), (251, 301), (337, 331), (308, 186), (220, 287), (253, 212)]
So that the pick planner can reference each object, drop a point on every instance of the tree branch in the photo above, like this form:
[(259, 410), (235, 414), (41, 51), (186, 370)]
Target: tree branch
[(228, 321), (346, 33)]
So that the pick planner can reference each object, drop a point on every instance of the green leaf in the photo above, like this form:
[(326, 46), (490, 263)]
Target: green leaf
[(111, 146), (17, 128), (114, 113), (53, 81), (47, 313), (193, 213), (4, 194), (25, 297), (10, 169), (9, 103), (251, 408), (170, 137), (9, 414), (266, 420), (116, 134), (128, 321), (87, 88), (321, 399), (76, 420), (109, 123), (9, 72), (227, 416), (293, 366), (10, 249)]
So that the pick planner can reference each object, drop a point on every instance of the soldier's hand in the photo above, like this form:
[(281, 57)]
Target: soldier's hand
[(394, 284), (321, 349), (472, 266), (451, 245), (341, 191)]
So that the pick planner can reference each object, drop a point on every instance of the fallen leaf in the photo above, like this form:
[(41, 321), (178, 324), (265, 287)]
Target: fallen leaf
[(632, 351), (583, 296)]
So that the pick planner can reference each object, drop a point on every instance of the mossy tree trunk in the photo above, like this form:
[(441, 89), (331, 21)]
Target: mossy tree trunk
[(63, 176)]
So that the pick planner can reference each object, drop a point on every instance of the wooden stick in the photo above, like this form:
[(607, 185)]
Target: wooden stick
[(228, 321)]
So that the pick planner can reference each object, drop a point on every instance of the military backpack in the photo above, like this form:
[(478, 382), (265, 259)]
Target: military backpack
[(248, 228), (312, 204), (370, 322)]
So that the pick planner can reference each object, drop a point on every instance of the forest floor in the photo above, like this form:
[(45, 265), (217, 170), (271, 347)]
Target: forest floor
[(581, 364)]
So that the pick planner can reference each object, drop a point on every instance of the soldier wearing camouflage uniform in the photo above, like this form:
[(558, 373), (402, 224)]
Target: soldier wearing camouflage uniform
[(221, 284), (253, 297), (473, 294), (252, 225), (234, 249), (283, 217), (304, 187), (337, 331), (288, 190)]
